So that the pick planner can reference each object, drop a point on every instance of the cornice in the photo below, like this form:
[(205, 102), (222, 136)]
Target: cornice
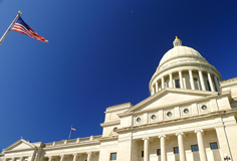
[(20, 150), (111, 138), (228, 82), (62, 146), (110, 123), (118, 107), (180, 120)]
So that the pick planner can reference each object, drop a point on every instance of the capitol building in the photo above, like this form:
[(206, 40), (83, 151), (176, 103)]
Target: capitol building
[(190, 115)]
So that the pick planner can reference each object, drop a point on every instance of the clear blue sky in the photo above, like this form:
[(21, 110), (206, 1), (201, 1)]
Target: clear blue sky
[(100, 53)]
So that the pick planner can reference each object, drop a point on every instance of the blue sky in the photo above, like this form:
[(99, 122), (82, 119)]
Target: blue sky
[(100, 53)]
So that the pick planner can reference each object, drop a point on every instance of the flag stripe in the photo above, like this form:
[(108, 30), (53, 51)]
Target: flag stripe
[(22, 27), (73, 129)]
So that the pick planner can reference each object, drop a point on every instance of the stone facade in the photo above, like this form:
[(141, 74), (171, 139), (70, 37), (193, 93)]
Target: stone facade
[(189, 116)]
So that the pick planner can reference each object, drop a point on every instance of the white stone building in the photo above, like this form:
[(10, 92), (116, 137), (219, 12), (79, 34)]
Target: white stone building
[(189, 116)]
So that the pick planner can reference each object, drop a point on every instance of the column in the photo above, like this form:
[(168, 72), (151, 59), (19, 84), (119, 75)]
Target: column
[(21, 159), (74, 157), (191, 79), (163, 148), (181, 79), (202, 80), (217, 84), (50, 158), (201, 147), (157, 89), (62, 157), (162, 83), (171, 81), (182, 156), (152, 90), (88, 156), (210, 82), (146, 149)]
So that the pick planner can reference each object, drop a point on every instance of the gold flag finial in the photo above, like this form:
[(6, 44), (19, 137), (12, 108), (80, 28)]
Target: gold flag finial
[(176, 37), (19, 12)]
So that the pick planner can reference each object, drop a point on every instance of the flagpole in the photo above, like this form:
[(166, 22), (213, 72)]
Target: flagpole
[(70, 133), (10, 27)]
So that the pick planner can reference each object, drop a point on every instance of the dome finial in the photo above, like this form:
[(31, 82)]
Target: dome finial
[(177, 42)]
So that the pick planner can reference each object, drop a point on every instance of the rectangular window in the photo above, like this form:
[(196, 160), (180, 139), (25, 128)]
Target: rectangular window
[(176, 150), (113, 156), (194, 148), (177, 83), (208, 86), (142, 153), (158, 151), (213, 145), (195, 80)]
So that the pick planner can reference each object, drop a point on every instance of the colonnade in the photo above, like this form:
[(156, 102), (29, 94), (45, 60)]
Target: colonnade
[(182, 156), (89, 156), (157, 86)]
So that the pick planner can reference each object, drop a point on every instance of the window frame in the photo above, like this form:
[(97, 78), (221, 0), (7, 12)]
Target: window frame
[(176, 150), (142, 153), (158, 152), (215, 145), (113, 156), (194, 150), (177, 83)]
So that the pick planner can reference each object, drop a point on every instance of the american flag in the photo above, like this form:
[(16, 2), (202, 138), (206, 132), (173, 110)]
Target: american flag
[(22, 27), (73, 129)]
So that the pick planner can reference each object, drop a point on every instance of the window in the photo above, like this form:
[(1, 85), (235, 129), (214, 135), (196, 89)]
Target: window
[(153, 117), (176, 150), (113, 156), (204, 107), (142, 153), (177, 83), (186, 111), (169, 114), (139, 119), (158, 151), (196, 83), (194, 148), (213, 145), (208, 86)]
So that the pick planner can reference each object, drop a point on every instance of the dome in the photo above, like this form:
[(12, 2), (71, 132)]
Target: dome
[(180, 51), (176, 65)]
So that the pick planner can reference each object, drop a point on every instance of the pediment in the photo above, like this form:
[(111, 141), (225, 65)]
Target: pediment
[(170, 97), (20, 145)]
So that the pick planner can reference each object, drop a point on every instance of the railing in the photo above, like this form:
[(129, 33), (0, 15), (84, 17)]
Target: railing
[(78, 140)]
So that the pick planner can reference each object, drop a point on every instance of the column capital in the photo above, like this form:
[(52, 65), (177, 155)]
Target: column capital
[(162, 136), (179, 133), (74, 154), (88, 152), (171, 73), (62, 155), (145, 138), (190, 70), (199, 130)]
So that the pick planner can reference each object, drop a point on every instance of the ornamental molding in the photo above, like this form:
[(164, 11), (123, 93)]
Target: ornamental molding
[(118, 107), (179, 120)]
